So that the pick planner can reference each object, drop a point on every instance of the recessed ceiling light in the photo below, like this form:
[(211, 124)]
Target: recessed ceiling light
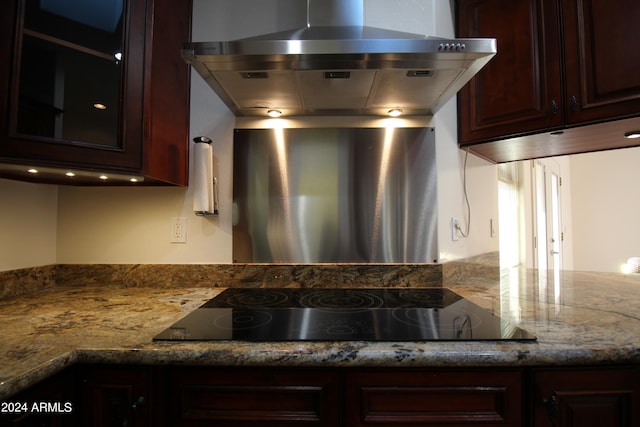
[(70, 174), (632, 134), (103, 177), (32, 170), (274, 113), (133, 180), (395, 112), (99, 106)]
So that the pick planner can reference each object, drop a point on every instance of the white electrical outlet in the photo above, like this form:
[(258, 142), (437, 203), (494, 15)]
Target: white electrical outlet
[(455, 226), (178, 229)]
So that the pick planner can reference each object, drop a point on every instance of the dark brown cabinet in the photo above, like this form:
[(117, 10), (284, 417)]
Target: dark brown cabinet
[(432, 397), (116, 396), (562, 67), (129, 395), (586, 397), (51, 403), (253, 397), (601, 60), (519, 90), (95, 93)]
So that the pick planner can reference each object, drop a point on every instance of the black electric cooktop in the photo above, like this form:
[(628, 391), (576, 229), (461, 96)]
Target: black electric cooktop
[(389, 314)]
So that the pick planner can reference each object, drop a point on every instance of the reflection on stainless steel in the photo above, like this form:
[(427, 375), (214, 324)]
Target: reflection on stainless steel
[(334, 195)]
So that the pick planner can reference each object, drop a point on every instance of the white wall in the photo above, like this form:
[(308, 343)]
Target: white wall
[(606, 208), (600, 209), (28, 221), (131, 225), (482, 191), (481, 176)]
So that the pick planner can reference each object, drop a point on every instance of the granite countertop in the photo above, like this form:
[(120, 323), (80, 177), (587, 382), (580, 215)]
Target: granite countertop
[(584, 319)]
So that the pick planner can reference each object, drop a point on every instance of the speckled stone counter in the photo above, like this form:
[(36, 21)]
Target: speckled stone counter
[(586, 318)]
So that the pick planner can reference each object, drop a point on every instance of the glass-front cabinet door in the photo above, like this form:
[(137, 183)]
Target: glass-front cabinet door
[(95, 85), (74, 82), (70, 70)]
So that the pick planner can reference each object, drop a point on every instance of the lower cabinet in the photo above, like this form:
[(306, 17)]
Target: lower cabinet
[(524, 396), (111, 396), (587, 397), (51, 403), (262, 397), (432, 397), (182, 396), (253, 397)]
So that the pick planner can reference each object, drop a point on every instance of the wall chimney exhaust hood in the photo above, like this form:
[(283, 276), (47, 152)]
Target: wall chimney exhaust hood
[(336, 66)]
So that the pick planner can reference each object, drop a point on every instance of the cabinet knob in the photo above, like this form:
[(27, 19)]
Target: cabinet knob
[(554, 106), (138, 402), (574, 103), (552, 405)]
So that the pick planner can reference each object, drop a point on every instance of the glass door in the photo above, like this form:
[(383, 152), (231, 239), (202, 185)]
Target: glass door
[(547, 216)]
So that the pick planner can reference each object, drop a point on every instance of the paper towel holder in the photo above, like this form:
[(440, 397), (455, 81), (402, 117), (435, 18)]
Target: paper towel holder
[(205, 140)]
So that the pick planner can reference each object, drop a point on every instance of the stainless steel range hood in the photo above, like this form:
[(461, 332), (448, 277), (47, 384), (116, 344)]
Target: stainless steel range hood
[(336, 66)]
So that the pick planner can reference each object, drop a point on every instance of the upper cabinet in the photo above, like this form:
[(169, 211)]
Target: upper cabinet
[(94, 88), (564, 79), (601, 59)]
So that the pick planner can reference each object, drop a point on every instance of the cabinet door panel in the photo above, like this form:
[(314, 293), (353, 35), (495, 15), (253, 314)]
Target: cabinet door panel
[(602, 59), (611, 407), (229, 397), (519, 90), (585, 398), (433, 398), (115, 396)]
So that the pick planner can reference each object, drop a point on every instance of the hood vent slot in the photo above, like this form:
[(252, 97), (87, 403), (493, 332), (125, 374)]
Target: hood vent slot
[(255, 75), (337, 74), (419, 73)]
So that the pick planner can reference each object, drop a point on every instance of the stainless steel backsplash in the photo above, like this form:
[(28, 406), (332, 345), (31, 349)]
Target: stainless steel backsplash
[(334, 195)]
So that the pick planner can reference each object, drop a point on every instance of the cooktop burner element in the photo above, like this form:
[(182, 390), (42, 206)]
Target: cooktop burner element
[(389, 314), (247, 298), (341, 299)]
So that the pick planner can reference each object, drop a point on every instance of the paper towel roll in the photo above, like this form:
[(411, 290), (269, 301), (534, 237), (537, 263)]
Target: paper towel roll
[(204, 191)]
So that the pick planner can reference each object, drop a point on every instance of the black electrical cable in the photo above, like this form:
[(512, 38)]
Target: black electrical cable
[(466, 196)]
